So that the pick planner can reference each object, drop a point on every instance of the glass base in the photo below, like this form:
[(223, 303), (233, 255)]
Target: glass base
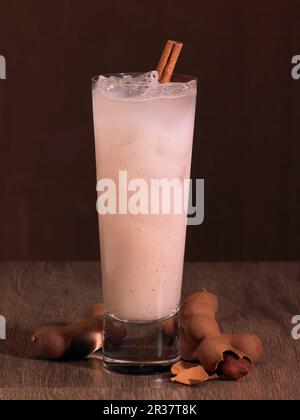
[(140, 347)]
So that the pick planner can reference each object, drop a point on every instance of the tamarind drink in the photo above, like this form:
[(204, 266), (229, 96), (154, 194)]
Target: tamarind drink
[(143, 134)]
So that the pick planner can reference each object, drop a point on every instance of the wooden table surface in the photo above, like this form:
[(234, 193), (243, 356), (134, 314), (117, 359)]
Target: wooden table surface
[(258, 297)]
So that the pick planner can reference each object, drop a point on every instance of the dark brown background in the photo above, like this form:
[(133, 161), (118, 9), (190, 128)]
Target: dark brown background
[(246, 142)]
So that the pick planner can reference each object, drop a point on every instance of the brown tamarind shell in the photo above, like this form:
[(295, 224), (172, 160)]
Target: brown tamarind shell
[(211, 350), (95, 310), (231, 355), (202, 302), (71, 342), (249, 344)]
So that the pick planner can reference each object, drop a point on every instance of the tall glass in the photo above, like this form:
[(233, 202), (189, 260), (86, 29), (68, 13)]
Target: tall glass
[(143, 137)]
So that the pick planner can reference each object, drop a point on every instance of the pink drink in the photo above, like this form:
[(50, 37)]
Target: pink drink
[(145, 129)]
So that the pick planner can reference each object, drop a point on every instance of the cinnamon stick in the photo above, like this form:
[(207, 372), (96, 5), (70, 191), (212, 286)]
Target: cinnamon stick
[(168, 60)]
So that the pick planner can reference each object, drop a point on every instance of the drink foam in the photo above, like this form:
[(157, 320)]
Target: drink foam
[(144, 86)]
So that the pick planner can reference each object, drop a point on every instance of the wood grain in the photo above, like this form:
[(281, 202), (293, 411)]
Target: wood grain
[(258, 297)]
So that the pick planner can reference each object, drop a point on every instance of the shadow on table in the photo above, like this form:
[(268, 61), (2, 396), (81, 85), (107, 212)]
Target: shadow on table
[(17, 343)]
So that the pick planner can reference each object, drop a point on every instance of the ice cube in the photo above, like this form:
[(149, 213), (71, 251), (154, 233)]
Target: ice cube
[(151, 78), (126, 85)]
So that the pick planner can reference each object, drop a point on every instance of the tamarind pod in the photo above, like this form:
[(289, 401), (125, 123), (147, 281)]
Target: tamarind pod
[(200, 326), (197, 320), (115, 330), (198, 303), (87, 338), (211, 350), (75, 341), (187, 348), (249, 344), (95, 310), (51, 342), (169, 327), (230, 363), (201, 339), (216, 354)]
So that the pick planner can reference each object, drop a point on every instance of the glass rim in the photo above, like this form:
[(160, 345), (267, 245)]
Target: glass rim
[(176, 78)]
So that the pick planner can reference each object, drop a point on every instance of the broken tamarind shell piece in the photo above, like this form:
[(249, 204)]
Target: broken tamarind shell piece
[(190, 374), (181, 365)]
